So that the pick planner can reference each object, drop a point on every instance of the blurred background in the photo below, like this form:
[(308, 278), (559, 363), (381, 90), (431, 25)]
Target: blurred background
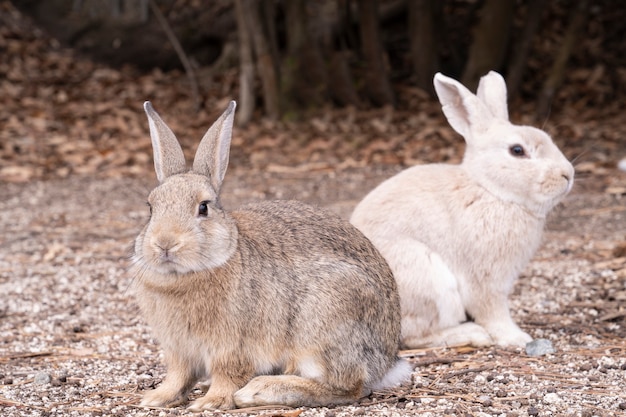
[(320, 85)]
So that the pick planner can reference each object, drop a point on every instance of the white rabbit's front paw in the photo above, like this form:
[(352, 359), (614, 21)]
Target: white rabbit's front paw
[(512, 336)]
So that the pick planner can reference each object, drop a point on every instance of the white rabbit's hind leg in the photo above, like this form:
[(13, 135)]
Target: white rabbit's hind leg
[(465, 334), (429, 295)]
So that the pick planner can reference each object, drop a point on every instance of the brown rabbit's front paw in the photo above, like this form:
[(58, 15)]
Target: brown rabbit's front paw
[(162, 397), (212, 402)]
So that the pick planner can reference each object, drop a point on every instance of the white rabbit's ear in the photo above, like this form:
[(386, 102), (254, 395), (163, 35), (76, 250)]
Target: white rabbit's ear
[(465, 112), (492, 91), (168, 155), (212, 155)]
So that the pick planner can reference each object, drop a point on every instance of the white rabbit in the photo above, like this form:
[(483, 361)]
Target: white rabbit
[(457, 236), (277, 302)]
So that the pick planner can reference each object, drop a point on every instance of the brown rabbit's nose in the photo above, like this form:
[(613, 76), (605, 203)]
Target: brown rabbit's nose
[(165, 246)]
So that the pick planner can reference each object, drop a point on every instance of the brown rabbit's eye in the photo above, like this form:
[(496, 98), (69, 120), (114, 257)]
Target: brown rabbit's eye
[(203, 209), (149, 208), (517, 150)]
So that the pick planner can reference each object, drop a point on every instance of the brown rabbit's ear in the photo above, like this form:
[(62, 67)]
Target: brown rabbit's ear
[(168, 155), (212, 155)]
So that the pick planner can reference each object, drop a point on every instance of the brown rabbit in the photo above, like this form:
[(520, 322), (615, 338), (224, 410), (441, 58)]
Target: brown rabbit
[(277, 302)]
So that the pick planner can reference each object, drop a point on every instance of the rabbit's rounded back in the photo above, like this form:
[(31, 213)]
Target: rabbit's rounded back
[(457, 236), (274, 287)]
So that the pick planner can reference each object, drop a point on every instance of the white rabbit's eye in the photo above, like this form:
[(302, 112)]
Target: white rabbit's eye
[(203, 209), (517, 150)]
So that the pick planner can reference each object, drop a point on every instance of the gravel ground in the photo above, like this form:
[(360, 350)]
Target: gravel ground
[(72, 341)]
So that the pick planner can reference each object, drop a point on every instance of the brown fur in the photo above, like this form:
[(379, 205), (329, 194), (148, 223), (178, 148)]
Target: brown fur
[(278, 302)]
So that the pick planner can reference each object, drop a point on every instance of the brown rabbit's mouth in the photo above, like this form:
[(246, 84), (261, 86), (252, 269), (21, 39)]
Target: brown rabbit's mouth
[(164, 262)]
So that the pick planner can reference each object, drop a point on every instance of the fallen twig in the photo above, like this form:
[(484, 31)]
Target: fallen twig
[(171, 36)]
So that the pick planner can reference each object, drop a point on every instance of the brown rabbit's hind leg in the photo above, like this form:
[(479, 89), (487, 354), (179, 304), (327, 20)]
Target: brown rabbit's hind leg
[(294, 391)]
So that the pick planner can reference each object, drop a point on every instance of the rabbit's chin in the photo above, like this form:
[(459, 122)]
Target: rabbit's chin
[(167, 267), (171, 268)]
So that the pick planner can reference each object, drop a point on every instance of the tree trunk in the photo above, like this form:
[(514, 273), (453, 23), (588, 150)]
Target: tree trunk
[(490, 40), (341, 86), (171, 36), (304, 75), (265, 64), (557, 73), (424, 18), (128, 10), (519, 55), (246, 65), (340, 80), (378, 87)]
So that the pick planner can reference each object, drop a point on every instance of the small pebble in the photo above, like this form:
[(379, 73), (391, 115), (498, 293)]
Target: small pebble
[(532, 411), (8, 381), (622, 406), (539, 347), (485, 400), (42, 378), (551, 398)]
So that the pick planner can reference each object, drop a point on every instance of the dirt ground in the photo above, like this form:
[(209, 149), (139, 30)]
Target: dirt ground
[(72, 341)]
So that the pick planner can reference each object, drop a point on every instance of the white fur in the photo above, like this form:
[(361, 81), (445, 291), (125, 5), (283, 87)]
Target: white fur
[(396, 376), (457, 236)]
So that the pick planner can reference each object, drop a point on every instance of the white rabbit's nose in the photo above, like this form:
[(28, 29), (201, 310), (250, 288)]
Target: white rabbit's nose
[(568, 175)]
